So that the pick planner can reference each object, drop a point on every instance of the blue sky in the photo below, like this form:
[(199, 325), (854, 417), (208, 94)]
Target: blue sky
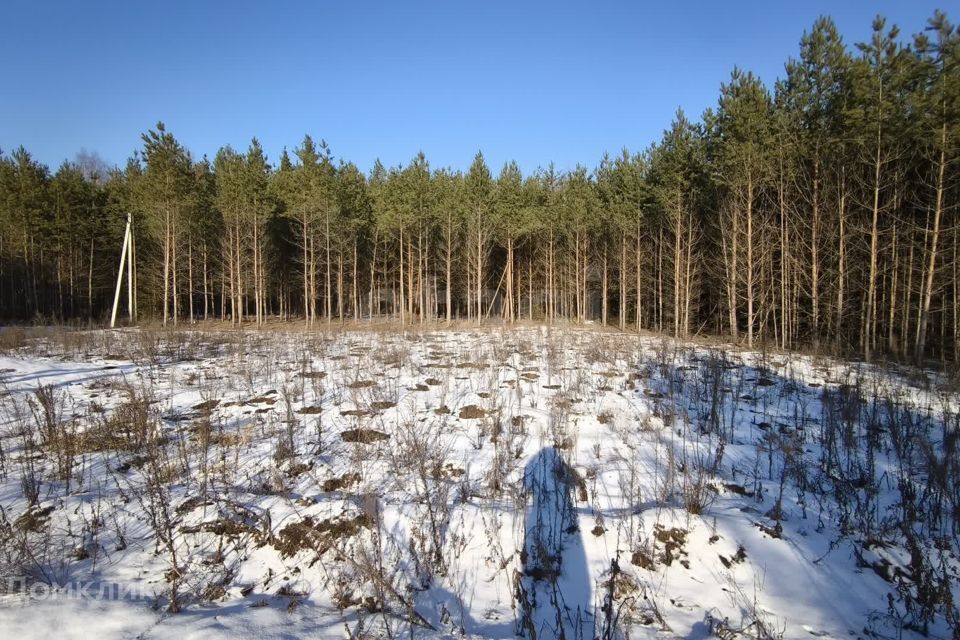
[(526, 81)]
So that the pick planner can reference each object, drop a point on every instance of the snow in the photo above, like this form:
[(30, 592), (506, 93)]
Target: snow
[(497, 481)]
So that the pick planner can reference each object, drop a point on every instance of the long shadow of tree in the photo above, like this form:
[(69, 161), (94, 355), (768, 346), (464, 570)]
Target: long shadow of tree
[(553, 594)]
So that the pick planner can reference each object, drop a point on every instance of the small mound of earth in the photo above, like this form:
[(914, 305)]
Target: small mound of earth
[(319, 536), (361, 384), (363, 436), (472, 411), (206, 406), (343, 482)]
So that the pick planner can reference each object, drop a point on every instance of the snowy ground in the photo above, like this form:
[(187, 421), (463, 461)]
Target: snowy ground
[(548, 483)]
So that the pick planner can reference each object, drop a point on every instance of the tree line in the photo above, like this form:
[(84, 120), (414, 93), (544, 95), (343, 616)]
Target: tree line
[(821, 211)]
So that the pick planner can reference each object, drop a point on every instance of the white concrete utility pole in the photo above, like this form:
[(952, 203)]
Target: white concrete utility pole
[(124, 260)]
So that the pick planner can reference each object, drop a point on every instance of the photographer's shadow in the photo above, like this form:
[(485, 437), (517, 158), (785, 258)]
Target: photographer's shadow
[(553, 593)]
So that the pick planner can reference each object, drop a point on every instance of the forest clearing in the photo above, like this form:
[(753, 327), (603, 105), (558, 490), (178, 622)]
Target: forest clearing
[(484, 483), (480, 320)]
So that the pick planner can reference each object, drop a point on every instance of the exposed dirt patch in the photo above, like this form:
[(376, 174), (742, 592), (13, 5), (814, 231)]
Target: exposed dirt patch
[(363, 436), (192, 503), (206, 407), (447, 471), (738, 557), (34, 519), (267, 398), (343, 482), (222, 527), (673, 541), (472, 412), (355, 412), (362, 384), (740, 490), (311, 410), (382, 405), (642, 559), (297, 468), (776, 531), (318, 536)]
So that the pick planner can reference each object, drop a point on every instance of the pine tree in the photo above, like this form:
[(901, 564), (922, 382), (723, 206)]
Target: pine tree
[(164, 193), (478, 192), (675, 168), (814, 97), (938, 106), (356, 223), (877, 84), (508, 216), (743, 128)]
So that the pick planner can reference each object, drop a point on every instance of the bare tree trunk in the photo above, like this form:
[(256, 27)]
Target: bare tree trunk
[(206, 291), (622, 321), (867, 335), (402, 302), (784, 259), (586, 264), (173, 269), (732, 273), (842, 250), (750, 266), (329, 270), (236, 258), (677, 262), (306, 271), (313, 279), (166, 268), (688, 279), (815, 248), (509, 276), (90, 284), (638, 309), (576, 278), (956, 294), (660, 279), (356, 283), (894, 273), (934, 239), (550, 279), (449, 267), (373, 277), (340, 285), (907, 293), (603, 302), (190, 279), (480, 261), (530, 286)]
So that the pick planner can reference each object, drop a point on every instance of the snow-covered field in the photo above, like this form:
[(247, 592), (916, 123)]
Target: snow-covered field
[(483, 483)]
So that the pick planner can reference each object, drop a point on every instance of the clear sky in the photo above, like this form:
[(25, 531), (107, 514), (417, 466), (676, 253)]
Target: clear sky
[(526, 81)]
